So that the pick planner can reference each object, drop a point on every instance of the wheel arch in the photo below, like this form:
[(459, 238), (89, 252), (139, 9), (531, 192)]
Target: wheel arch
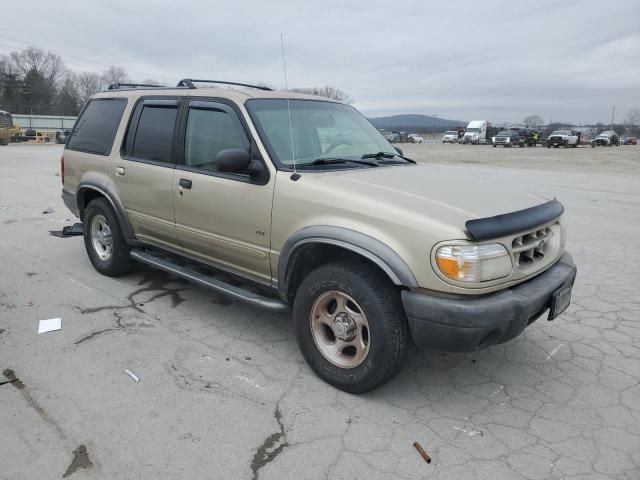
[(310, 247), (88, 191)]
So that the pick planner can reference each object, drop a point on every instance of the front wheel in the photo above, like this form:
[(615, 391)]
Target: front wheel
[(350, 326), (103, 239)]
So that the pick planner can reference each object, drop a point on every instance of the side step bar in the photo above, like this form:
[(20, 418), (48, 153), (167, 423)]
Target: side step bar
[(208, 281)]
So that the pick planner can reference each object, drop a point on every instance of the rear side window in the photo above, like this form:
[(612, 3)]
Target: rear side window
[(150, 132), (96, 128)]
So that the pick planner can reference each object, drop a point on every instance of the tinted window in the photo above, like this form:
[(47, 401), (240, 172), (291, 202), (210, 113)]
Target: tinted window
[(96, 128), (153, 133), (209, 132)]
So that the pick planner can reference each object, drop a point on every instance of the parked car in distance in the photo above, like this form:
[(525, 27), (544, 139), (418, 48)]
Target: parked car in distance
[(509, 138), (450, 136), (367, 249), (630, 141), (414, 138), (563, 138), (608, 138)]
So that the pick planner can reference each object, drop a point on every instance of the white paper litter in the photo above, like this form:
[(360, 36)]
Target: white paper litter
[(132, 375), (49, 325)]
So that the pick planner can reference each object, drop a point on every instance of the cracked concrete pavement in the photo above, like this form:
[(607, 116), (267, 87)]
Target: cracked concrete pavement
[(224, 392)]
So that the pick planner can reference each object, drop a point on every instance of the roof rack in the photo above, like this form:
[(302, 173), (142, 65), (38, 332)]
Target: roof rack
[(118, 86), (189, 82)]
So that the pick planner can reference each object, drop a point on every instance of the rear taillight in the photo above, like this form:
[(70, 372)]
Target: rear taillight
[(62, 168)]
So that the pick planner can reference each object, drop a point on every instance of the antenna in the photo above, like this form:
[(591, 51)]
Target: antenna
[(286, 86)]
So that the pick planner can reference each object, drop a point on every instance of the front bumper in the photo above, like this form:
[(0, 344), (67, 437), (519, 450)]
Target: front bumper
[(466, 323)]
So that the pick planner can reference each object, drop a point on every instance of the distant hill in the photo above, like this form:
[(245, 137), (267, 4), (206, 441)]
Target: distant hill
[(415, 123)]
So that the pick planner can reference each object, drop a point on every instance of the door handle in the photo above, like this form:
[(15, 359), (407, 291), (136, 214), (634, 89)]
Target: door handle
[(120, 171), (184, 183)]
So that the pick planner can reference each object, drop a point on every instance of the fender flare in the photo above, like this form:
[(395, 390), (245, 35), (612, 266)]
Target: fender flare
[(368, 247), (114, 200)]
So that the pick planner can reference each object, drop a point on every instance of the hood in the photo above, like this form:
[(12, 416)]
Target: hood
[(448, 195)]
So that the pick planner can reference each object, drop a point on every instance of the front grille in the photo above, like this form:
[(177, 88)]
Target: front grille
[(531, 248)]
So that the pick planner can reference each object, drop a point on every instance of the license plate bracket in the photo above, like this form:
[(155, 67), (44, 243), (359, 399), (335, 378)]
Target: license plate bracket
[(560, 301)]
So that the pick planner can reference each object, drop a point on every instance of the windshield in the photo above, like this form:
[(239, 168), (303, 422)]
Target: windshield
[(450, 132), (473, 130), (506, 133), (561, 132), (319, 130)]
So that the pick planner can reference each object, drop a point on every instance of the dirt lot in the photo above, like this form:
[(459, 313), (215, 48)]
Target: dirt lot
[(224, 392)]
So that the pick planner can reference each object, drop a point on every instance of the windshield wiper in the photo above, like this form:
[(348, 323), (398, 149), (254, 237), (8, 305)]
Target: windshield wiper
[(334, 161), (379, 155), (386, 155)]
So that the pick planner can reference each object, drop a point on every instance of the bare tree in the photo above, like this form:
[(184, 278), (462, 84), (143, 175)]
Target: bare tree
[(533, 121), (115, 75), (633, 117), (89, 84), (45, 64), (329, 92), (68, 99)]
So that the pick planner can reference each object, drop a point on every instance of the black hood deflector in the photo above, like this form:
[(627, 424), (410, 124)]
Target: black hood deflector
[(501, 225)]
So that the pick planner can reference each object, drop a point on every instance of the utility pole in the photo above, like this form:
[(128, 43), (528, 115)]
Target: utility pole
[(613, 112)]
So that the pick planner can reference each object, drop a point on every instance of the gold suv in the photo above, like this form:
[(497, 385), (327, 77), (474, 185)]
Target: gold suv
[(289, 201)]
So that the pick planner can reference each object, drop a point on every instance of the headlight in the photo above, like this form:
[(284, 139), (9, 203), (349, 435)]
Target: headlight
[(474, 263), (508, 139)]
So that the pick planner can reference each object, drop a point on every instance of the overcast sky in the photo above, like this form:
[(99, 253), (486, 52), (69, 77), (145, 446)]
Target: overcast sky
[(501, 61)]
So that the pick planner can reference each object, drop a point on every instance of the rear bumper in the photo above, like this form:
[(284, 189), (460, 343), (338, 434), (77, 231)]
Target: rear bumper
[(70, 202), (465, 323)]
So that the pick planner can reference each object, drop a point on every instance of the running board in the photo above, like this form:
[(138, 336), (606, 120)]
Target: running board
[(208, 281)]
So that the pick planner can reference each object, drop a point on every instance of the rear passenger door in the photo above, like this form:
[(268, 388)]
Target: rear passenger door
[(222, 219), (144, 171)]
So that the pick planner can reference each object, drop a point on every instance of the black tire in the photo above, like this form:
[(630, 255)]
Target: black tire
[(119, 261), (380, 302), (4, 141)]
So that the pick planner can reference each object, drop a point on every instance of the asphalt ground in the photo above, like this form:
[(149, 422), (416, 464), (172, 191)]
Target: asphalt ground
[(224, 392)]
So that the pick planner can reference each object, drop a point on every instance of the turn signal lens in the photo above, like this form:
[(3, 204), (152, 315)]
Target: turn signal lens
[(474, 263)]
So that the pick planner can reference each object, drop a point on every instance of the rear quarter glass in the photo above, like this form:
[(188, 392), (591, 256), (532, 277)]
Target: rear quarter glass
[(96, 127)]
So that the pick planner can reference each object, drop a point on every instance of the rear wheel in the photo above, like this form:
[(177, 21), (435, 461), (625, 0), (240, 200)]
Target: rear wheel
[(4, 141), (103, 239), (350, 326)]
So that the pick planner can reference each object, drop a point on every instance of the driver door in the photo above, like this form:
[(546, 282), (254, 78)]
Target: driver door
[(222, 219)]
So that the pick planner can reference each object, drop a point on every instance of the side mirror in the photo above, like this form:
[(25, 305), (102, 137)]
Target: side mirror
[(233, 160), (399, 150)]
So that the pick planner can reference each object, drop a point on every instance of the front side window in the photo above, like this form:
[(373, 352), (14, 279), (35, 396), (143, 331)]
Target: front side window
[(96, 128), (209, 131), (318, 130)]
